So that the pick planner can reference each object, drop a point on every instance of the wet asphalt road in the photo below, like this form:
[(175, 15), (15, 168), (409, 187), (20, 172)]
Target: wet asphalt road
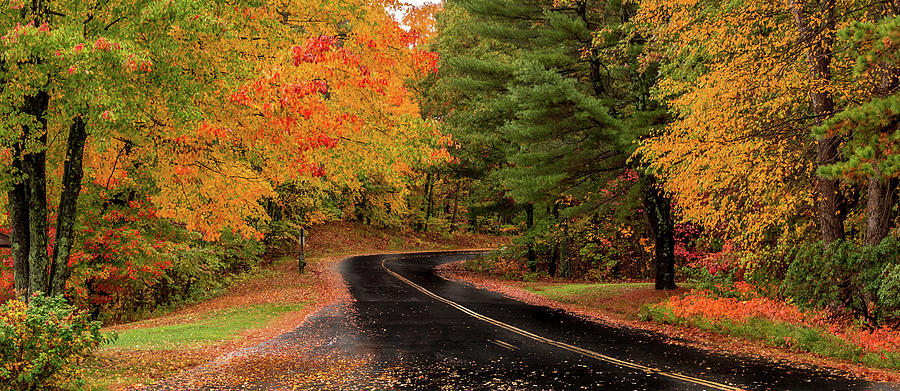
[(427, 343), (409, 329)]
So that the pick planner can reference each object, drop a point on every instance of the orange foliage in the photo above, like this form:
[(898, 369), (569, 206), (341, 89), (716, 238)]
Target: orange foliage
[(749, 305), (329, 108), (746, 303)]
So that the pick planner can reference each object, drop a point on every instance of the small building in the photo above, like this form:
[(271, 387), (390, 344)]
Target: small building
[(4, 241)]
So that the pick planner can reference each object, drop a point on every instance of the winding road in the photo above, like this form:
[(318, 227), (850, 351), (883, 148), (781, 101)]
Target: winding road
[(419, 331)]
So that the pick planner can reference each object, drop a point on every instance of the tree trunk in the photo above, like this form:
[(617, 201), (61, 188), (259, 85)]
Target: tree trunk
[(429, 189), (36, 169), (565, 267), (554, 257), (529, 222), (878, 209), (455, 208), (73, 171), (18, 222), (658, 209), (882, 190), (819, 39)]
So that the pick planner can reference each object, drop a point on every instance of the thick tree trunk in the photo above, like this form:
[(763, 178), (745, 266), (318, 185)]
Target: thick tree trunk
[(658, 209), (819, 38), (881, 198), (529, 222), (882, 191), (18, 222), (73, 171), (36, 169), (38, 262)]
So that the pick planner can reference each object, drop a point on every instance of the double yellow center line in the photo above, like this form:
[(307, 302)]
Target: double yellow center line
[(561, 345)]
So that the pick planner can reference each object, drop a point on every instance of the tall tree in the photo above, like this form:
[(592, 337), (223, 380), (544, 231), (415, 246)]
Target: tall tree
[(72, 70), (203, 107), (567, 106), (746, 83)]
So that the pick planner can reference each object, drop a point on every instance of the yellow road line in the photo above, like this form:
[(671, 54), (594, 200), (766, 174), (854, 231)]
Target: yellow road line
[(502, 344), (561, 345)]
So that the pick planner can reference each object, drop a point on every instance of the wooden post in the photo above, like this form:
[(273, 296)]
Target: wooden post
[(301, 261)]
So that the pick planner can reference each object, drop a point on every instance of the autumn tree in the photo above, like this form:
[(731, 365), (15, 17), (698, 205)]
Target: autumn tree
[(73, 71), (203, 108)]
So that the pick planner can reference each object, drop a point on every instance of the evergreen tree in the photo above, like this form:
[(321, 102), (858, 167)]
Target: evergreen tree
[(557, 87)]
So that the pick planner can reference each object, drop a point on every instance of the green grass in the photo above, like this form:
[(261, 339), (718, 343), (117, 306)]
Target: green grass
[(570, 293), (794, 337), (218, 326)]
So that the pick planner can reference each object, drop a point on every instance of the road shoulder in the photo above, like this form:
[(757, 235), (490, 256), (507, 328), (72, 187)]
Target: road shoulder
[(680, 335)]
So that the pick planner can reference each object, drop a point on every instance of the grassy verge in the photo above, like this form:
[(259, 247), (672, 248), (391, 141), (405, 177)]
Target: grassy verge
[(618, 300), (215, 327), (796, 338), (140, 355), (248, 312)]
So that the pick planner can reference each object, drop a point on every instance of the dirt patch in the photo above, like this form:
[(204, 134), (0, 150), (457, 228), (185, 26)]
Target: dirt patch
[(619, 314), (627, 304)]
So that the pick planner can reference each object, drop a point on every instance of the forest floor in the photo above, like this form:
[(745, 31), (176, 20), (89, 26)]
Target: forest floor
[(272, 301), (620, 303)]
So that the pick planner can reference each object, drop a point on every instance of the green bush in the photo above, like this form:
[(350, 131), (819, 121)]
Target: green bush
[(42, 343), (863, 281)]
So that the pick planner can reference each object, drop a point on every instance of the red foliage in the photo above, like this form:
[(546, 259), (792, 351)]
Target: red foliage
[(744, 302), (313, 50), (745, 305), (114, 259)]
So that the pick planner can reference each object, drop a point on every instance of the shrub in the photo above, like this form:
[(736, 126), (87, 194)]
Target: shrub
[(862, 281), (41, 344)]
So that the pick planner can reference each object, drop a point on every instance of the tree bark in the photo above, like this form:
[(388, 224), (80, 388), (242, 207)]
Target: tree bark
[(18, 221), (819, 39), (429, 190), (455, 207), (529, 222), (882, 191), (658, 209), (36, 169), (73, 171), (554, 257), (880, 201)]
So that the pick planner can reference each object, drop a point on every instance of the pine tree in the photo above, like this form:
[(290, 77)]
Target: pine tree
[(558, 87)]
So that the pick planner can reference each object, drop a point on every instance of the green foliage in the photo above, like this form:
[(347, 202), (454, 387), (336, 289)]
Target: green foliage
[(846, 277), (871, 123), (42, 343)]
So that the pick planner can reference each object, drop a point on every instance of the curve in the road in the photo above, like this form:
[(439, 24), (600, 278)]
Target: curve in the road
[(561, 345)]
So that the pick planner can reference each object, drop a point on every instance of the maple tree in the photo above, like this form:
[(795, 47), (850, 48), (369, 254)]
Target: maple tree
[(201, 108), (74, 69), (737, 157)]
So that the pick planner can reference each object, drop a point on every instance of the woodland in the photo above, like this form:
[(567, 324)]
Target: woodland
[(152, 149)]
